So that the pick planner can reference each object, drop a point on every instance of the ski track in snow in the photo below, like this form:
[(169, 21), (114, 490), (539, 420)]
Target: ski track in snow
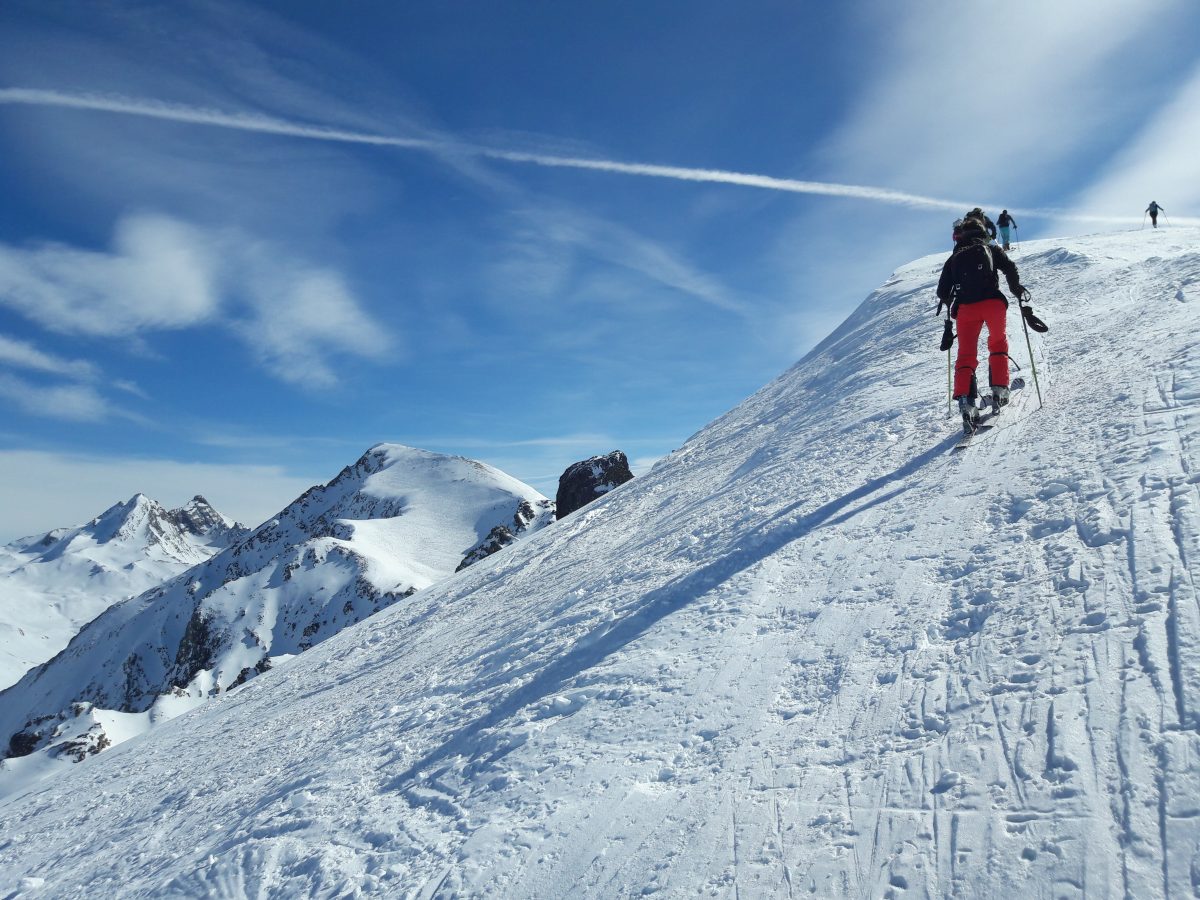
[(812, 653)]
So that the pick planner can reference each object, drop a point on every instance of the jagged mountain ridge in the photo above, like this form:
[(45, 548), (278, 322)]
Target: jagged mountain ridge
[(812, 651), (396, 521), (51, 585)]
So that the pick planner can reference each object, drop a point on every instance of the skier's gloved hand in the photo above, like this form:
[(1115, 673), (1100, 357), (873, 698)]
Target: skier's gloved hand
[(947, 336), (1023, 294)]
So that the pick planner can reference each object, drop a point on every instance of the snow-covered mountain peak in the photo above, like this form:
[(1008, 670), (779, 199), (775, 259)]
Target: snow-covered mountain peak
[(55, 583), (134, 519), (188, 534), (395, 521), (396, 502)]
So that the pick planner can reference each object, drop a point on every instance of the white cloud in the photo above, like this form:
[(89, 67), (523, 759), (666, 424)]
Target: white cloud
[(23, 355), (299, 316), (987, 98), (130, 387), (160, 274), (1162, 163), (73, 402), (540, 258), (164, 274), (80, 401), (44, 490)]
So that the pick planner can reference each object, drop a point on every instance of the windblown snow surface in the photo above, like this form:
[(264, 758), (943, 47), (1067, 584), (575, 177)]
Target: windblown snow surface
[(812, 652)]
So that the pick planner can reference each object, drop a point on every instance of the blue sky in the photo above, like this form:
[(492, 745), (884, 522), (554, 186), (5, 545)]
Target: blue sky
[(215, 278)]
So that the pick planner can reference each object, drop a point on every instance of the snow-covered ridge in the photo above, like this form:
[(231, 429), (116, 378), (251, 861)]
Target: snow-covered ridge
[(51, 585), (396, 521), (812, 652)]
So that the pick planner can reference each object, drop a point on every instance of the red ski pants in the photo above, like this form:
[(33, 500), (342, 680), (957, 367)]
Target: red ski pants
[(971, 319)]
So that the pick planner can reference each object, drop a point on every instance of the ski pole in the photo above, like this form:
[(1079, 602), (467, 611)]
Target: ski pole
[(1029, 345), (948, 341), (1143, 228)]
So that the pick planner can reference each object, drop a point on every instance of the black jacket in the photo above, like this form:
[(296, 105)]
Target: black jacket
[(1005, 220), (950, 289)]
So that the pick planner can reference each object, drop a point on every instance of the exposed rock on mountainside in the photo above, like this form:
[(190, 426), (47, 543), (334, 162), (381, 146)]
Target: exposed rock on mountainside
[(585, 481), (525, 519)]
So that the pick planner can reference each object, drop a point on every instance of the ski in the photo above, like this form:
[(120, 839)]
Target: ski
[(988, 416), (965, 441)]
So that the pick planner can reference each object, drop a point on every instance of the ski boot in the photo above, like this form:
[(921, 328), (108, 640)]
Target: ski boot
[(970, 414), (999, 396)]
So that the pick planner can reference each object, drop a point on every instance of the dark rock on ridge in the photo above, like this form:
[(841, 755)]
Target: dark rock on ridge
[(584, 481)]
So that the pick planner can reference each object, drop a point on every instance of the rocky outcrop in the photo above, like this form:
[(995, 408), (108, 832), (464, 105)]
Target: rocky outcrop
[(525, 519), (584, 481)]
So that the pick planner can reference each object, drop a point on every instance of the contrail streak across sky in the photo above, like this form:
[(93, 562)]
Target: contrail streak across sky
[(267, 125)]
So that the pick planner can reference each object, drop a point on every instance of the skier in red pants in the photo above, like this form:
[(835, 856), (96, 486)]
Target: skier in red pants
[(970, 284)]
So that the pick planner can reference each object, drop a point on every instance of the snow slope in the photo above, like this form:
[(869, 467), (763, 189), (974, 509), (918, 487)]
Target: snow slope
[(52, 585), (813, 652), (396, 521)]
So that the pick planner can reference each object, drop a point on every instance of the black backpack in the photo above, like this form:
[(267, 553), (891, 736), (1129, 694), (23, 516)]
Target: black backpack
[(974, 271)]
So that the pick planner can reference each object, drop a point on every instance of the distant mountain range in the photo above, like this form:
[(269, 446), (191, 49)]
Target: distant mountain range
[(52, 585), (396, 521)]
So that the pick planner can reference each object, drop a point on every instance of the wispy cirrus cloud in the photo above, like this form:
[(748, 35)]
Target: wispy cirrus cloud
[(80, 399), (72, 402), (976, 100), (1161, 163), (24, 355), (546, 243), (300, 318), (254, 122), (164, 274)]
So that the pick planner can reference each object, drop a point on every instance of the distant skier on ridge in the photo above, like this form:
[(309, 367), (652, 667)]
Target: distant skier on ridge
[(1005, 222), (970, 285), (1154, 210)]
